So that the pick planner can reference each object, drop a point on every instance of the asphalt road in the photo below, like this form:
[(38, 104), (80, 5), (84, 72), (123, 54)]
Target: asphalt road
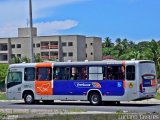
[(128, 107)]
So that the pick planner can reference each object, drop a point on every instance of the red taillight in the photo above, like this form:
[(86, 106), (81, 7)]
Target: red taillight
[(154, 83), (140, 88)]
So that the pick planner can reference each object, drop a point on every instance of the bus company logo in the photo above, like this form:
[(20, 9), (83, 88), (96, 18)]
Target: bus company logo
[(83, 84), (96, 85), (87, 85), (44, 87)]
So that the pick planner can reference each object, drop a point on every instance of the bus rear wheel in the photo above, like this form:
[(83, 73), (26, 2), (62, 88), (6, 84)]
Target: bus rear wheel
[(28, 98), (95, 98)]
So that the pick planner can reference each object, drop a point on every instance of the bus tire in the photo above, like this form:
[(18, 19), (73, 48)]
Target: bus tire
[(29, 98), (95, 98)]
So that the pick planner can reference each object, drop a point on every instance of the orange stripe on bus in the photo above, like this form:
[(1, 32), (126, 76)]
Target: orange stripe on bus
[(124, 84), (44, 65)]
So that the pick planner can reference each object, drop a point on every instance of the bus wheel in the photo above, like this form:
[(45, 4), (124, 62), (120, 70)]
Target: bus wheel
[(95, 98), (29, 98)]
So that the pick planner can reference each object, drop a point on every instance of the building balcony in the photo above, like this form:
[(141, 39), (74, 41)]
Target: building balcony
[(53, 46), (44, 47), (45, 57), (54, 57)]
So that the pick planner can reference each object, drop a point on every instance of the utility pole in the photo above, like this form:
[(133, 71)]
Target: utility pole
[(31, 36)]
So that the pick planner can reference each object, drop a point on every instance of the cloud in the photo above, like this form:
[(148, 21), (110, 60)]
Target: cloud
[(53, 27), (14, 14)]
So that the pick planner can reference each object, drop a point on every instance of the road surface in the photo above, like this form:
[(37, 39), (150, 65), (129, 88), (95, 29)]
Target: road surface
[(83, 105)]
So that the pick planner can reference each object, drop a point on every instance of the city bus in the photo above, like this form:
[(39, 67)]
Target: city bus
[(93, 81)]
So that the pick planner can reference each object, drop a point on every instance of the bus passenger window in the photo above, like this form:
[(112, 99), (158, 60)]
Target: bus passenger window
[(29, 74), (44, 73), (130, 72), (95, 73), (84, 73), (61, 73), (74, 73), (116, 72), (104, 73), (56, 72)]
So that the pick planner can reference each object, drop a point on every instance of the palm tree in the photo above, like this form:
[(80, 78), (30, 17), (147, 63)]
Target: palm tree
[(108, 43)]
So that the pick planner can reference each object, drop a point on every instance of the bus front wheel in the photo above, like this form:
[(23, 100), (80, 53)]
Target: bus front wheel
[(95, 98), (29, 98)]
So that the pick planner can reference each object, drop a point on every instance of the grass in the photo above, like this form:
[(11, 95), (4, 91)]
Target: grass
[(2, 96), (158, 96)]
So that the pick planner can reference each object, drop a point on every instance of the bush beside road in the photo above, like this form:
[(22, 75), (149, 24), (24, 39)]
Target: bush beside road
[(2, 96)]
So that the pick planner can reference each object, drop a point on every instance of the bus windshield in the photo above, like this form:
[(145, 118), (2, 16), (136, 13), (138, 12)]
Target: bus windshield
[(14, 78)]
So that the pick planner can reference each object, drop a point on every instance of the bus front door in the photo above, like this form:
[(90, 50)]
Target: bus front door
[(14, 83)]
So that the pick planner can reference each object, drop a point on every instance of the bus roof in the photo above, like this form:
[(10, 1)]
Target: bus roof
[(83, 63)]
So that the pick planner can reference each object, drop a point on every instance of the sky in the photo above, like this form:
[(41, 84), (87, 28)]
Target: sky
[(136, 20)]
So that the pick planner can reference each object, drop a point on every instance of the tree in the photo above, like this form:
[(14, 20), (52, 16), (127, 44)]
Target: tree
[(3, 72), (37, 58), (108, 43)]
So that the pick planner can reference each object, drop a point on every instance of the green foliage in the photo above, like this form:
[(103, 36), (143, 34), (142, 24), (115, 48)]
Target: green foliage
[(3, 72), (2, 96), (124, 49), (37, 58), (158, 96)]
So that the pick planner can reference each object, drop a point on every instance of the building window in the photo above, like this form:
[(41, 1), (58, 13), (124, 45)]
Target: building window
[(70, 43), (64, 54), (13, 46), (70, 54), (18, 45), (91, 44), (86, 45), (63, 43), (33, 45), (38, 45), (86, 55), (19, 55), (91, 53)]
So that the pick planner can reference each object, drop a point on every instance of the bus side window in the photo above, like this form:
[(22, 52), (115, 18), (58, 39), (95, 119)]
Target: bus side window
[(44, 73), (61, 73), (29, 74), (95, 73), (116, 72), (74, 73), (104, 72), (56, 72), (84, 73), (130, 72)]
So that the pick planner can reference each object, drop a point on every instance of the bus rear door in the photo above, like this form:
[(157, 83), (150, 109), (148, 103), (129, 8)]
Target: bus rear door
[(131, 81)]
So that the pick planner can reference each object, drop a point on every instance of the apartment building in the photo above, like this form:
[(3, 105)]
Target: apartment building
[(55, 47)]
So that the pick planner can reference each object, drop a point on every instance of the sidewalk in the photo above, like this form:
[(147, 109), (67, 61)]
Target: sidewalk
[(148, 101)]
